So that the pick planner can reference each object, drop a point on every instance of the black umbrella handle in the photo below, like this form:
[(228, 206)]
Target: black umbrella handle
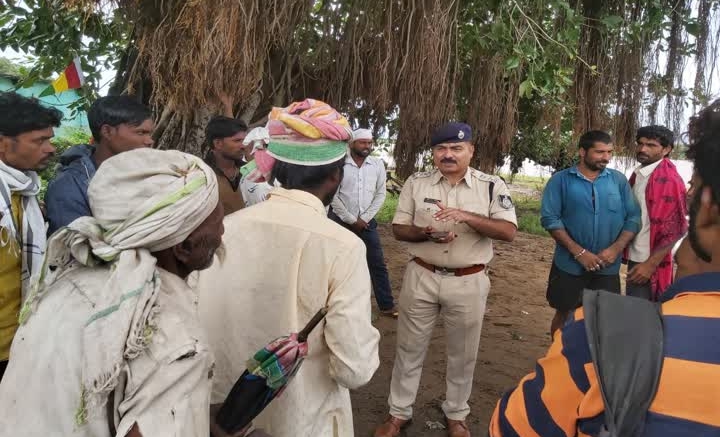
[(303, 335)]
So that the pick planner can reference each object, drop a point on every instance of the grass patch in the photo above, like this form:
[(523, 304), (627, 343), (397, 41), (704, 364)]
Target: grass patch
[(387, 211), (530, 224), (528, 213), (536, 183)]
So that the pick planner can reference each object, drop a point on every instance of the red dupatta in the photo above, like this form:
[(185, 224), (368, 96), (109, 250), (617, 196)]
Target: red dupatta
[(666, 200)]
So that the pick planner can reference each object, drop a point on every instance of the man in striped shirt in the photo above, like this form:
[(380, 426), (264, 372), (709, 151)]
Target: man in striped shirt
[(563, 398)]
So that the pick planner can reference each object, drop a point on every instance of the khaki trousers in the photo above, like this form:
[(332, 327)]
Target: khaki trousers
[(461, 303)]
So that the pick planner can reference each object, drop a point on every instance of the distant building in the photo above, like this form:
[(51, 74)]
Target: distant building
[(61, 101)]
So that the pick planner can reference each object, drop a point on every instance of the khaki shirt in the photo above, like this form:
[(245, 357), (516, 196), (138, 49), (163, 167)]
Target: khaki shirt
[(472, 193), (286, 260)]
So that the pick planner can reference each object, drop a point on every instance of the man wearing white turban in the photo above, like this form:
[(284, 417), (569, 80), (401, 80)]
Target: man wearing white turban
[(359, 199), (109, 342)]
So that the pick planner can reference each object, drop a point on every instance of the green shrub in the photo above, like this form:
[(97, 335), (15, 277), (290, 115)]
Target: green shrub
[(530, 223), (528, 213), (387, 211)]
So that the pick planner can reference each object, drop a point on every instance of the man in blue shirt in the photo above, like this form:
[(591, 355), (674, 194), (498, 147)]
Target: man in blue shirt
[(592, 214), (118, 124)]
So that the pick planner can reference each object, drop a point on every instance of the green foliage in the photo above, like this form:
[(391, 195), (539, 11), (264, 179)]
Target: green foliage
[(387, 211), (538, 39), (530, 224), (542, 46), (54, 33), (10, 68), (540, 143), (61, 143), (528, 213)]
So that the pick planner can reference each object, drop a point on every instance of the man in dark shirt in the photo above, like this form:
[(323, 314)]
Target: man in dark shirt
[(118, 124), (225, 152)]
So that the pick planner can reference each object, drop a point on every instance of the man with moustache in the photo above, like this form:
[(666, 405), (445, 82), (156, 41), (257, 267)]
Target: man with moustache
[(118, 124), (660, 191), (448, 217), (360, 197), (26, 128), (566, 395), (226, 152), (130, 358), (592, 214)]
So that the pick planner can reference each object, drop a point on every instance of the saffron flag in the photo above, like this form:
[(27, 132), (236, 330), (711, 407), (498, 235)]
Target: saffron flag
[(70, 79)]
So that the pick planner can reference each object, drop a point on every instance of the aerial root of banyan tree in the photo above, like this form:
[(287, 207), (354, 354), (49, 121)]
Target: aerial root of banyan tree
[(395, 64)]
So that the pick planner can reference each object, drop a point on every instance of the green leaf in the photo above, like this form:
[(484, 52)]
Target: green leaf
[(692, 28), (612, 21), (512, 63), (526, 88)]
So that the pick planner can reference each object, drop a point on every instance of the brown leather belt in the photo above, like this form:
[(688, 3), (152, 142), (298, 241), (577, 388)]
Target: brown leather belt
[(462, 271)]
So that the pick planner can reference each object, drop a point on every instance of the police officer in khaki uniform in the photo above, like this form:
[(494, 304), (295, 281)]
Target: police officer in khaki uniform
[(449, 218)]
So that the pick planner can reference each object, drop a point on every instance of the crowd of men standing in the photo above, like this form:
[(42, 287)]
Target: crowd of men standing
[(142, 352)]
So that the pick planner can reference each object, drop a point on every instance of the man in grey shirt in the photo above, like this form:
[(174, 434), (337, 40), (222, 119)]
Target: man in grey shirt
[(360, 197)]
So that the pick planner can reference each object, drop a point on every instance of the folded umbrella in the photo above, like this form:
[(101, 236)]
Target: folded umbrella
[(268, 373)]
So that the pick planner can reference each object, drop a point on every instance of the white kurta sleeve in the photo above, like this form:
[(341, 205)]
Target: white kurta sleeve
[(349, 333)]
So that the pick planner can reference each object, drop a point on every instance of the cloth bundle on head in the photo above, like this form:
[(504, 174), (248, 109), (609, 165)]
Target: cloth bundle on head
[(32, 249), (143, 201), (309, 133)]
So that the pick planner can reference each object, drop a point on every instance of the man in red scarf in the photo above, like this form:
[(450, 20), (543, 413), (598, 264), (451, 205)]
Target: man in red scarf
[(660, 191)]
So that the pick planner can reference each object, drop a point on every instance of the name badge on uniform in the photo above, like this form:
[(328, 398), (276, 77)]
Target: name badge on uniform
[(433, 201), (505, 201)]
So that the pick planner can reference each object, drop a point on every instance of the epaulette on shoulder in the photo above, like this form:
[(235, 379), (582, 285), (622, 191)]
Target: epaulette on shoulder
[(422, 174), (477, 174)]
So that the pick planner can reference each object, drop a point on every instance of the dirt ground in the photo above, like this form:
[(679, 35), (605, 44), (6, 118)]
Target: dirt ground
[(514, 336)]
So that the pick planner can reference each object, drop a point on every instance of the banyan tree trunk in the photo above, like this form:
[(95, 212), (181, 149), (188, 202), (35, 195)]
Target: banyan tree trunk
[(184, 133)]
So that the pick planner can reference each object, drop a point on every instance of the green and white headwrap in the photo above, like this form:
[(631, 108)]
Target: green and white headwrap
[(289, 146), (310, 153)]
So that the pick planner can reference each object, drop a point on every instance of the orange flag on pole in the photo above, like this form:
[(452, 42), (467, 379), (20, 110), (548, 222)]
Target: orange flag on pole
[(70, 79)]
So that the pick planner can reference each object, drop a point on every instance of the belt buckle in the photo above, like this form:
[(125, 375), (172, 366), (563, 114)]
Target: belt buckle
[(443, 271)]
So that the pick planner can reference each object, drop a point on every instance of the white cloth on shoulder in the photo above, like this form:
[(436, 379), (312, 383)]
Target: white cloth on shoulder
[(142, 201), (32, 241)]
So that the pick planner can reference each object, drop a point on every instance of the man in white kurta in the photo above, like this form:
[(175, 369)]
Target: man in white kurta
[(110, 342), (285, 261)]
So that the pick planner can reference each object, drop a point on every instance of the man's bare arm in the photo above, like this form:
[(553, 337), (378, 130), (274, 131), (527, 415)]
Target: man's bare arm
[(497, 229), (566, 241), (134, 431), (642, 272), (609, 255), (410, 233), (584, 257)]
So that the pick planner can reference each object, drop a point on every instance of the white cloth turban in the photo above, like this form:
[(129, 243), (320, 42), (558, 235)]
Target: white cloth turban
[(142, 201), (362, 134)]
